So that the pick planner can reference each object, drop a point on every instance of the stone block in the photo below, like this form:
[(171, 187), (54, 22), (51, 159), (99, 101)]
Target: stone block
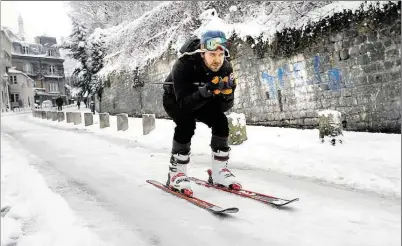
[(336, 37), (388, 64), (49, 115), (311, 121), (363, 60), (122, 122), (351, 33), (60, 116), (394, 53), (372, 37), (88, 119), (344, 54), (354, 50), (361, 39), (387, 43), (237, 128), (104, 120), (148, 123), (54, 116), (371, 68), (69, 117), (77, 118), (377, 56), (379, 46)]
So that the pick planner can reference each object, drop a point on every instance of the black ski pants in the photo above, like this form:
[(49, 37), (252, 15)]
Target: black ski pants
[(209, 114)]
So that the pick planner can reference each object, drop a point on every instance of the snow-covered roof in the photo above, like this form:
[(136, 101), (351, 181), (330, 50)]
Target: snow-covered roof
[(6, 34), (12, 70), (15, 71), (37, 56), (53, 76), (8, 31)]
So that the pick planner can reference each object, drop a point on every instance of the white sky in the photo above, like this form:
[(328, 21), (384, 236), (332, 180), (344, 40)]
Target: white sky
[(40, 17)]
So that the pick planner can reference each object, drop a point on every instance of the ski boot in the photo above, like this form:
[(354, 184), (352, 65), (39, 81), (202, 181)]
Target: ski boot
[(177, 176), (220, 174)]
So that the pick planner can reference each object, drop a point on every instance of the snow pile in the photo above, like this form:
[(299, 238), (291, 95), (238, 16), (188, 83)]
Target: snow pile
[(32, 215), (237, 128), (336, 115), (237, 119), (337, 7)]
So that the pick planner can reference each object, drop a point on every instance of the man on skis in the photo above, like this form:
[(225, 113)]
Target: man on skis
[(203, 89)]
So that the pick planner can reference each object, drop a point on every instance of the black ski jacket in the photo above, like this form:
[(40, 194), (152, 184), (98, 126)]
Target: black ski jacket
[(188, 74)]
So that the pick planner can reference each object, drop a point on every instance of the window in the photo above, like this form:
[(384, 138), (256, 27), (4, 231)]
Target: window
[(50, 52), (13, 79), (28, 68), (25, 50), (14, 97), (51, 69), (53, 87)]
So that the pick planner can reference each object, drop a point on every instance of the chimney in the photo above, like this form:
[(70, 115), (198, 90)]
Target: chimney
[(21, 31)]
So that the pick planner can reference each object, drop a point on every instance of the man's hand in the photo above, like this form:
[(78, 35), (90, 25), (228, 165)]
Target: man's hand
[(212, 87), (219, 85), (229, 85)]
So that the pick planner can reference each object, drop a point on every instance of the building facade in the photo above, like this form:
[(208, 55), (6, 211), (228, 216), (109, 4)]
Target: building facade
[(4, 66), (42, 62), (21, 89)]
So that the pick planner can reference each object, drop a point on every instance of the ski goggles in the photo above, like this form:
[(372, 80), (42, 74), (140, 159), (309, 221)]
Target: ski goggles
[(215, 44)]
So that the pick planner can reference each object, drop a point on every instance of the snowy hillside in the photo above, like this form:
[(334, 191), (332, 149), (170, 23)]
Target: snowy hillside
[(133, 44)]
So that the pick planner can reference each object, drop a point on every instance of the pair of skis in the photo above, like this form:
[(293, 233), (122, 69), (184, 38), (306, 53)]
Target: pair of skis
[(271, 200)]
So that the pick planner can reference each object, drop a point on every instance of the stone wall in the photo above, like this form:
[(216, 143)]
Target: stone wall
[(122, 97), (355, 70)]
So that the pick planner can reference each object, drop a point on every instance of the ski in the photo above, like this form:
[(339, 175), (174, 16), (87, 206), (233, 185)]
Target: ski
[(271, 200), (194, 200)]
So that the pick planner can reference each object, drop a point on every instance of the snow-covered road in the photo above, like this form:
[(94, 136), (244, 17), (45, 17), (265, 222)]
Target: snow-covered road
[(102, 178)]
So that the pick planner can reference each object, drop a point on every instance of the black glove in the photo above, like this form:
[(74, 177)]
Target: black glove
[(229, 85), (212, 87)]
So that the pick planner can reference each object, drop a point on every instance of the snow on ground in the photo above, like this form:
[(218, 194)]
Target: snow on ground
[(365, 161), (105, 178), (32, 215)]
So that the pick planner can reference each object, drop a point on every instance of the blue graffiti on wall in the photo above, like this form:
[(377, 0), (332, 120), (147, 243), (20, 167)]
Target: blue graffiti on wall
[(278, 82), (270, 80), (317, 69), (334, 79), (280, 72)]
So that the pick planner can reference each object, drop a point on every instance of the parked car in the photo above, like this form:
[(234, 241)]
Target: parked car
[(47, 104)]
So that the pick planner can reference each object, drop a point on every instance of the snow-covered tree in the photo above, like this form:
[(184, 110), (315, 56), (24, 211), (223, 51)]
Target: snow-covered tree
[(96, 52), (104, 14), (78, 50), (89, 51)]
